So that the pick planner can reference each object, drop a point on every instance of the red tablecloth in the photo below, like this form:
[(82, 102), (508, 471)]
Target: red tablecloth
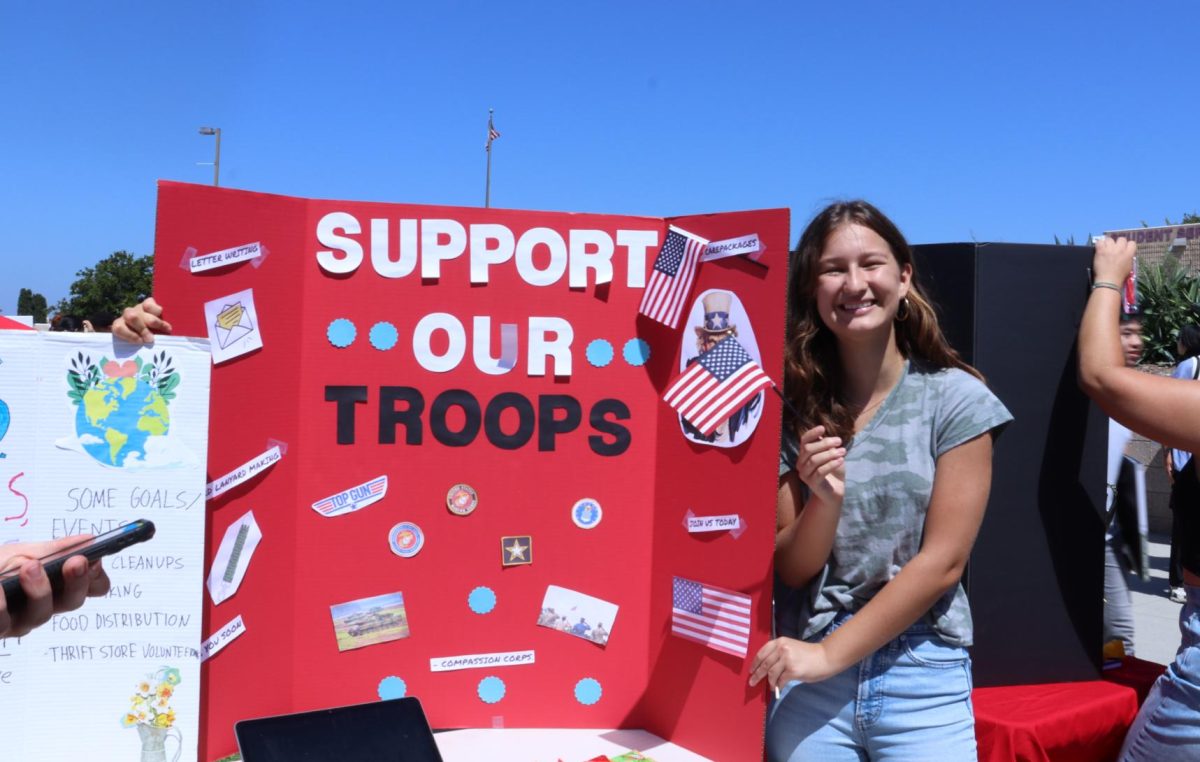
[(1061, 722)]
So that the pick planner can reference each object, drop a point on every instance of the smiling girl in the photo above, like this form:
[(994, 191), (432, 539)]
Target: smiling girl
[(884, 476)]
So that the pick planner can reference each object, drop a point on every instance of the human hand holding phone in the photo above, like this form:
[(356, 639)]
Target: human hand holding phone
[(29, 595)]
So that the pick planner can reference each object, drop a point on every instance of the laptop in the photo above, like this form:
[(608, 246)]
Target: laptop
[(382, 731)]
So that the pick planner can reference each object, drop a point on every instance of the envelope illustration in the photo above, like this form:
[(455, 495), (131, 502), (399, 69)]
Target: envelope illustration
[(233, 323)]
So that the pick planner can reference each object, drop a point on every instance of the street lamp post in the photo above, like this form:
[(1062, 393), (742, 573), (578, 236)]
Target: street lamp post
[(217, 159)]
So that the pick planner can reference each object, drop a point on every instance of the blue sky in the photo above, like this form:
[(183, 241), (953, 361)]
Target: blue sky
[(1009, 121)]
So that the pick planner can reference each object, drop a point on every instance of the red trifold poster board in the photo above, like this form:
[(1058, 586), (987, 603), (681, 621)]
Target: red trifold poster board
[(494, 366)]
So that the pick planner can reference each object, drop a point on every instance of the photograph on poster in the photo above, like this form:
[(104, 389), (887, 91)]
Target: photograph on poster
[(577, 614), (715, 315), (368, 621)]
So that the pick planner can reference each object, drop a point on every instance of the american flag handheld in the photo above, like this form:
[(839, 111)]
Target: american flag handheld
[(719, 382)]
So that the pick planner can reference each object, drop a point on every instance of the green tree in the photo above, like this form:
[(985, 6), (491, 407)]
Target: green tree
[(116, 282), (30, 303), (1168, 295), (1189, 218)]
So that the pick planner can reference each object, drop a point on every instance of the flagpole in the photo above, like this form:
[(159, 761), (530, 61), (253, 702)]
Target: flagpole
[(786, 402), (487, 188)]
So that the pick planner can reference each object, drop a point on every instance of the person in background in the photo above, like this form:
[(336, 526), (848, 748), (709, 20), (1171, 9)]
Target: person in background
[(100, 322), (81, 580), (1185, 489), (1167, 410), (66, 324), (885, 471), (1122, 545)]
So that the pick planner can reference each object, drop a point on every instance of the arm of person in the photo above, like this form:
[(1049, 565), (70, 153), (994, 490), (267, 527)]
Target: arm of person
[(1166, 410), (804, 533), (139, 323), (960, 492), (80, 580)]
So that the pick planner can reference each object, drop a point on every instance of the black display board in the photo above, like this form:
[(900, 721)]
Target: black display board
[(1036, 575)]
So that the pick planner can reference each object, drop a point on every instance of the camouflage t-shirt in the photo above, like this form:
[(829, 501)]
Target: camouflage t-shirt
[(889, 479)]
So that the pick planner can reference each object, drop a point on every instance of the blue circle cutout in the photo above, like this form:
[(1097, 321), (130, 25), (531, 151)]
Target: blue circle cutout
[(491, 690), (599, 352), (383, 336), (636, 352), (482, 600), (392, 688), (341, 333), (587, 691)]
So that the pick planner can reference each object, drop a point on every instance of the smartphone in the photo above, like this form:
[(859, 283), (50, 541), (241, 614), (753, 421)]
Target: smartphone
[(103, 545)]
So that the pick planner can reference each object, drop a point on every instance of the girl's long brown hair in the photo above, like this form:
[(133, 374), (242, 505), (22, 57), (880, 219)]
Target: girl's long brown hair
[(812, 370)]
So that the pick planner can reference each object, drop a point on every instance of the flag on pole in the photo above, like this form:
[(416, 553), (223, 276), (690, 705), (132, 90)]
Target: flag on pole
[(720, 381), (717, 618), (672, 275), (493, 133)]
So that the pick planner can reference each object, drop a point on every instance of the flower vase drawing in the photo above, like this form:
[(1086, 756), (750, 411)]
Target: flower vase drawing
[(154, 743), (151, 713)]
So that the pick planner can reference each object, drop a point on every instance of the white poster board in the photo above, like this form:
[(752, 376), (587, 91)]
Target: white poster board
[(95, 433)]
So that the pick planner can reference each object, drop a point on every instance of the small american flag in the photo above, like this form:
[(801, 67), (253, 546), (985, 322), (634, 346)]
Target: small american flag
[(718, 383), (493, 133), (717, 618), (671, 278)]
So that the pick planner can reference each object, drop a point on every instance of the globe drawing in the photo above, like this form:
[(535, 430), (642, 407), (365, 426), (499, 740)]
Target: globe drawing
[(116, 418)]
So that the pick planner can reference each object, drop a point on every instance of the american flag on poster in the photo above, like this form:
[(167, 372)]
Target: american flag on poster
[(671, 277), (717, 618), (718, 383)]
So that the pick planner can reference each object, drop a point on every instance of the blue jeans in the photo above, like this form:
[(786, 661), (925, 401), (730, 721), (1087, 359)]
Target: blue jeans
[(1118, 605), (1168, 726), (910, 700)]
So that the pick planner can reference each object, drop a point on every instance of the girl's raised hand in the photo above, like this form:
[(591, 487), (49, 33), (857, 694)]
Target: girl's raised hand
[(821, 465)]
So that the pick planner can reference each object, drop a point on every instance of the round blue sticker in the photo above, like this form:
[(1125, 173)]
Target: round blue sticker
[(599, 352), (341, 333), (491, 689), (586, 513), (482, 600), (406, 539), (588, 691), (383, 336), (392, 688), (636, 352)]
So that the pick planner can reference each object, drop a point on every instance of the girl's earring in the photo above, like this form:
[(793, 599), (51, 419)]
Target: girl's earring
[(902, 311)]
